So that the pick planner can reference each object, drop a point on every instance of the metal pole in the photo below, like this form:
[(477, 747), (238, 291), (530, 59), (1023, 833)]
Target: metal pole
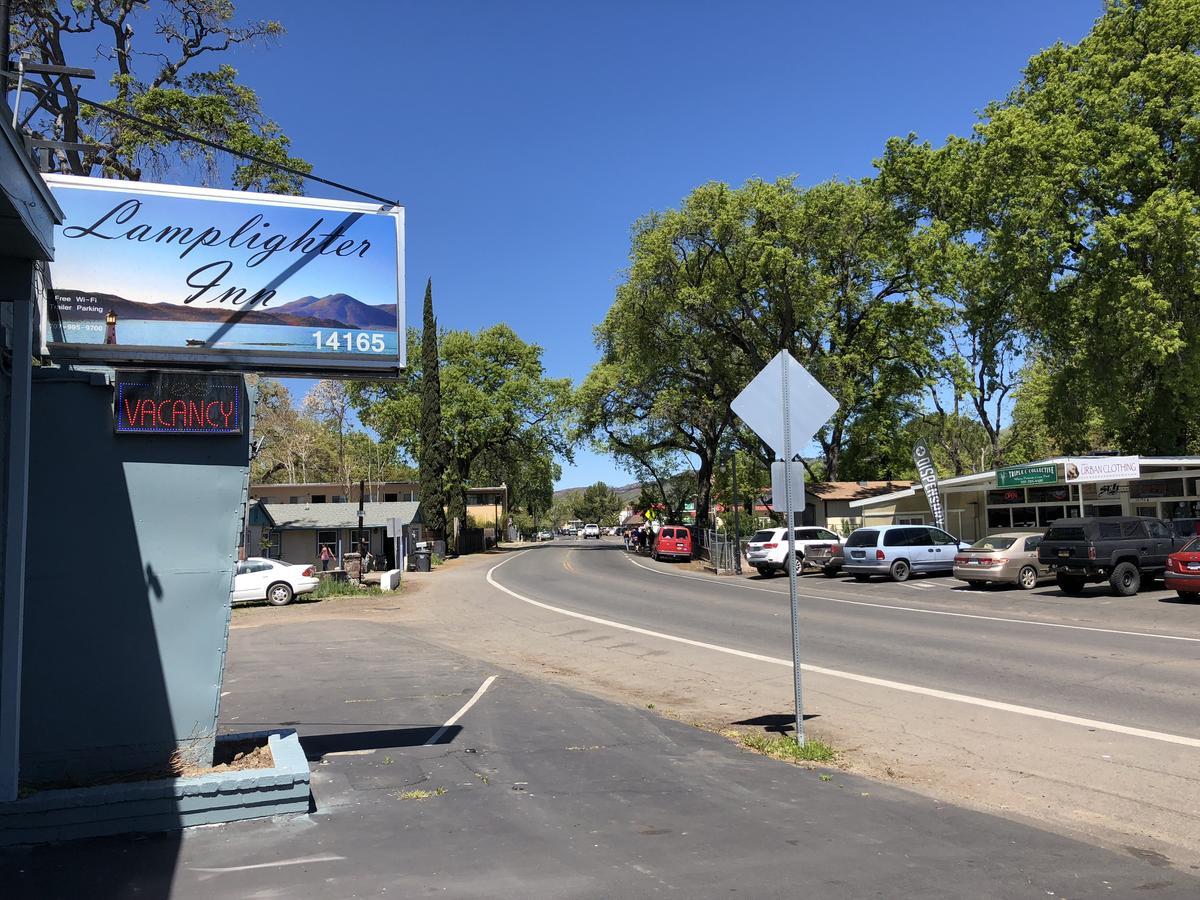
[(737, 532), (791, 556)]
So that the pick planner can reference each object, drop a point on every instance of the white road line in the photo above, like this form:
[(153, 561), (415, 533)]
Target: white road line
[(862, 679), (928, 612), (437, 735), (302, 861)]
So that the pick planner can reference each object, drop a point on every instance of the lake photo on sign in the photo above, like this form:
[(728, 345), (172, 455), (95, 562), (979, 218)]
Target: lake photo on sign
[(141, 268)]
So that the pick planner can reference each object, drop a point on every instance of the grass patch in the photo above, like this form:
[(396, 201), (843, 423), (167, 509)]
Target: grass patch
[(786, 748), (418, 794), (331, 588), (435, 560)]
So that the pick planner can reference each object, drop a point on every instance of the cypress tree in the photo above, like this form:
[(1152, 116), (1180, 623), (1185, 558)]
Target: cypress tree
[(432, 458)]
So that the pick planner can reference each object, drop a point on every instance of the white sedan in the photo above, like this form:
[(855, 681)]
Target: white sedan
[(276, 582)]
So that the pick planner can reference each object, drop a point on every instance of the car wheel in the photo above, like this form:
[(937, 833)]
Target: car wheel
[(862, 577), (1070, 584), (1190, 596), (1125, 580), (764, 571), (1027, 578), (279, 594), (829, 572), (900, 570)]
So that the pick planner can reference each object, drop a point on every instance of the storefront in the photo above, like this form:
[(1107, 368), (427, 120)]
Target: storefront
[(1006, 500)]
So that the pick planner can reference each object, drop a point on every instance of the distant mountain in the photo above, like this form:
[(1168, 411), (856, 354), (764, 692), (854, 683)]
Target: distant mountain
[(627, 492), (175, 312), (340, 308)]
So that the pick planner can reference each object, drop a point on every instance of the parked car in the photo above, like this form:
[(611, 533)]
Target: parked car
[(276, 582), (545, 535), (899, 551), (591, 531), (1122, 550), (1183, 571), (1009, 557), (831, 561), (768, 549), (672, 541)]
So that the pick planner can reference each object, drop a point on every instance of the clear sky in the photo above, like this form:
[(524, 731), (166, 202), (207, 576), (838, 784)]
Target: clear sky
[(525, 138)]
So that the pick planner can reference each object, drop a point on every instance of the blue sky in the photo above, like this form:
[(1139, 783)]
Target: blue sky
[(525, 138)]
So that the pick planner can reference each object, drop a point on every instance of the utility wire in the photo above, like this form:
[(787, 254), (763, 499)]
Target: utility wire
[(184, 136)]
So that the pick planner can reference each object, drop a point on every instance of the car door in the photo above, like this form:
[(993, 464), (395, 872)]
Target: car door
[(944, 548), (247, 580), (1161, 543), (1030, 552)]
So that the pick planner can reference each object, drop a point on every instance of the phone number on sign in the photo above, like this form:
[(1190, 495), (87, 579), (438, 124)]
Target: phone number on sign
[(349, 341)]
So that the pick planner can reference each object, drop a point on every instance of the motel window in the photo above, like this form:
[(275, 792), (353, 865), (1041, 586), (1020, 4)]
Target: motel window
[(327, 539), (272, 544), (339, 498), (360, 540), (318, 498), (390, 498), (295, 499)]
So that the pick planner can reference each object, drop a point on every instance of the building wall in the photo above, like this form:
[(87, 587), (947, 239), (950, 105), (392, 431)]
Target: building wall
[(405, 491)]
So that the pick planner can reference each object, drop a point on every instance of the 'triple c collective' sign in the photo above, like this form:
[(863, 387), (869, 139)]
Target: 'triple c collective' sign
[(178, 403)]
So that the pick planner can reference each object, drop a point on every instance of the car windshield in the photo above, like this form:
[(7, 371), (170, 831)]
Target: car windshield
[(863, 538), (993, 543), (762, 537), (1192, 546)]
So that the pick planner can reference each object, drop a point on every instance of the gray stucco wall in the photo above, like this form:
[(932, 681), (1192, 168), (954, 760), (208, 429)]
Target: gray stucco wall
[(132, 544)]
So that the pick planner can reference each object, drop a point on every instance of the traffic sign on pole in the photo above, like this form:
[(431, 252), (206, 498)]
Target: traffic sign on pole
[(786, 407)]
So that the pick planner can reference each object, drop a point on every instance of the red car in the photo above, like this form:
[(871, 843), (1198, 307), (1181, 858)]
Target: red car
[(1183, 571)]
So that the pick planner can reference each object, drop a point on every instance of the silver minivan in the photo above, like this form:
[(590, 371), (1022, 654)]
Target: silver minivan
[(899, 551)]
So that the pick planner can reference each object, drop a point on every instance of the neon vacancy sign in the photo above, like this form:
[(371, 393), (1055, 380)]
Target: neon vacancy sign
[(178, 403)]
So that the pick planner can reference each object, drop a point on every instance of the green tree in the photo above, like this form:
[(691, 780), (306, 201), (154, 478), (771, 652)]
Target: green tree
[(598, 503), (423, 434), (1094, 165), (494, 398), (209, 103)]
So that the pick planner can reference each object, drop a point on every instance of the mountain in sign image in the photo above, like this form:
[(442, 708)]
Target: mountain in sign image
[(343, 308), (74, 305)]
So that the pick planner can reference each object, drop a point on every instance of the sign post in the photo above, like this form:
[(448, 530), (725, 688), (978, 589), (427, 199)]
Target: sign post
[(783, 385)]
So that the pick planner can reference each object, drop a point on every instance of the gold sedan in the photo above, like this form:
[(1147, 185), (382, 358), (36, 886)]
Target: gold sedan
[(1009, 557)]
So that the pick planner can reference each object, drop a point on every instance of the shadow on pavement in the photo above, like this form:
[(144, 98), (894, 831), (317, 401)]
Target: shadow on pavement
[(317, 745), (777, 723)]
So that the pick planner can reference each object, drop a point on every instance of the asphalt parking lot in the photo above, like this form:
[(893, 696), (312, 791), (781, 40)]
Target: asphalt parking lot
[(540, 791)]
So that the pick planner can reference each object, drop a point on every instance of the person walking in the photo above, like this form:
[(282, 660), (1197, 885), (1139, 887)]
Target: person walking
[(326, 556)]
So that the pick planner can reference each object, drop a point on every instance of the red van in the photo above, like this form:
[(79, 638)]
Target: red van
[(674, 542)]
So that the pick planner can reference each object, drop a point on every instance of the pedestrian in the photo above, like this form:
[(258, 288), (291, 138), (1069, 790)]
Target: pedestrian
[(326, 556)]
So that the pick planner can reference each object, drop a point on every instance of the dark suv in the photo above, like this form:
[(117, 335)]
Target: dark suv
[(1121, 550)]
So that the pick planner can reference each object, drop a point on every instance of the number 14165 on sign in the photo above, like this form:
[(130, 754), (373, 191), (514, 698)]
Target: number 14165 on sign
[(349, 341)]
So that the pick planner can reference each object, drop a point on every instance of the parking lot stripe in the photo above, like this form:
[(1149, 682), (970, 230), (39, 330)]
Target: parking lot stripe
[(1033, 712), (437, 735), (928, 612)]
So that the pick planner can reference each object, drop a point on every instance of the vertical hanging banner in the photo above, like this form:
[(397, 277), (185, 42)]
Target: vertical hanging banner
[(927, 473), (162, 276)]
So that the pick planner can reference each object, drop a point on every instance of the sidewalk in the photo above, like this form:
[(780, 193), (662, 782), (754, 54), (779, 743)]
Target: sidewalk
[(541, 791)]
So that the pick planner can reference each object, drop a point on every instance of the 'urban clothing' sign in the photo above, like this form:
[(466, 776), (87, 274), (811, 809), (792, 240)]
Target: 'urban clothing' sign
[(178, 403), (927, 473), (1103, 468), (172, 277), (1022, 476)]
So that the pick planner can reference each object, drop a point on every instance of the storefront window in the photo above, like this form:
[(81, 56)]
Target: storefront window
[(1006, 496), (1024, 517), (1050, 493), (1047, 514), (998, 518), (1182, 509), (1157, 487), (1146, 511)]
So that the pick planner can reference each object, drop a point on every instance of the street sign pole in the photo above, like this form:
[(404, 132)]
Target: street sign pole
[(791, 556)]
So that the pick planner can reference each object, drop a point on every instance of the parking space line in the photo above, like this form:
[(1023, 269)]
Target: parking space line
[(928, 612), (437, 735), (1033, 712)]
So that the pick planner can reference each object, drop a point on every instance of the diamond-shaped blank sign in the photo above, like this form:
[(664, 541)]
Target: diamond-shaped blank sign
[(760, 405)]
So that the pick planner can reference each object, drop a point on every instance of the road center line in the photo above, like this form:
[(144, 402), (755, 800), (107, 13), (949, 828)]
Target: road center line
[(1030, 711), (437, 735), (928, 612)]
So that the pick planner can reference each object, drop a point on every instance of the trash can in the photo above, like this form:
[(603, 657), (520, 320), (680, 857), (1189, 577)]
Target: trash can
[(423, 560)]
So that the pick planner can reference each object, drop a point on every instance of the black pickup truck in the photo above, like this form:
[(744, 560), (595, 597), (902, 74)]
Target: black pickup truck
[(1121, 550)]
